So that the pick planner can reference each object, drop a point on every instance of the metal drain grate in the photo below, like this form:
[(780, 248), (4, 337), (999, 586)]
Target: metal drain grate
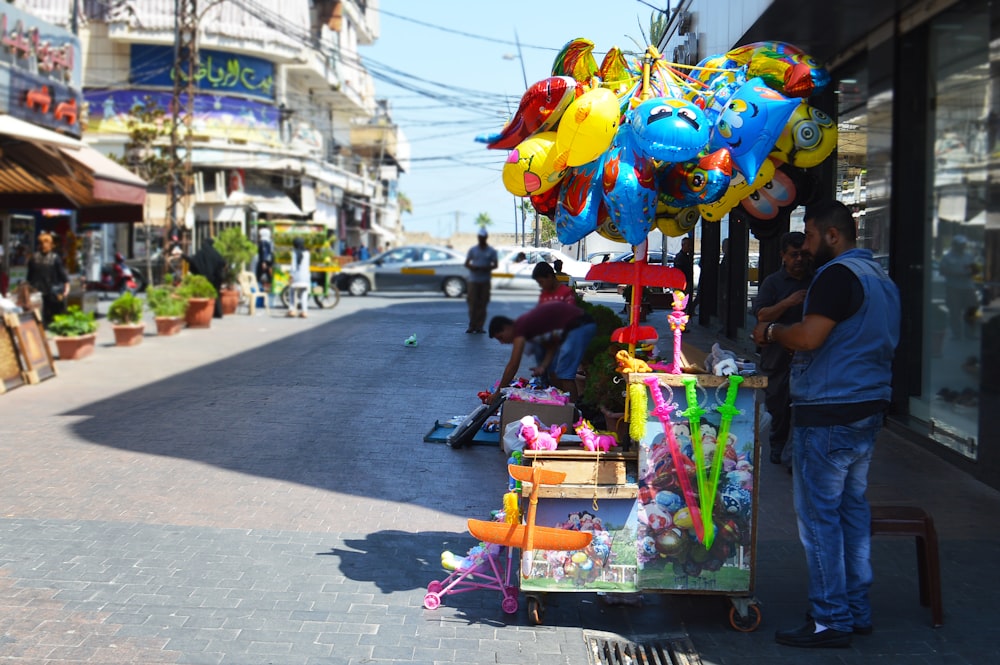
[(605, 649)]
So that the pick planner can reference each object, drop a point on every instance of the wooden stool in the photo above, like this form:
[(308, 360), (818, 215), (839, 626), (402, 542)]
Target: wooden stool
[(914, 521)]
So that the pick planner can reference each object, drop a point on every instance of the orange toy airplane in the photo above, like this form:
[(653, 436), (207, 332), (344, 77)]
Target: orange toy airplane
[(528, 536)]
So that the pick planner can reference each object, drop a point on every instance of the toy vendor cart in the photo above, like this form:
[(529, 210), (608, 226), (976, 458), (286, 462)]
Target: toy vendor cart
[(678, 515)]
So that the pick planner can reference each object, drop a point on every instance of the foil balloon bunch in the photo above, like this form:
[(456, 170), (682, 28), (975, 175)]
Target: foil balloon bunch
[(638, 143)]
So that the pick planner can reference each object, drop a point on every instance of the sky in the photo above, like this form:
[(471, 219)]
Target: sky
[(451, 70)]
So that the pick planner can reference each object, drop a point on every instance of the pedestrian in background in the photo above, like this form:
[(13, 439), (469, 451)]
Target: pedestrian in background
[(958, 269), (208, 263), (47, 275), (552, 289), (841, 386), (301, 280), (684, 261), (480, 261), (780, 299)]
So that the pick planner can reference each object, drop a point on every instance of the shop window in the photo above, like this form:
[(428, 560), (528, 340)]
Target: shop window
[(957, 277)]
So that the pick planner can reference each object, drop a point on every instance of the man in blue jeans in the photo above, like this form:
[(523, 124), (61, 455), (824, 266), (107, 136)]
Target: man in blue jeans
[(840, 381)]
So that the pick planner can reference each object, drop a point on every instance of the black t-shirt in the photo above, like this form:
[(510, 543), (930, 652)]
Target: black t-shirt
[(836, 294)]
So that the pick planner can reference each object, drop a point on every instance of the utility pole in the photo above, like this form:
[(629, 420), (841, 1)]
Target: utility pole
[(184, 71)]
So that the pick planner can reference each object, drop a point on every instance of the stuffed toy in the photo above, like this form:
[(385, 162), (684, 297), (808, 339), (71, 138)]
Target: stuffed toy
[(626, 363), (594, 440), (535, 438), (721, 362)]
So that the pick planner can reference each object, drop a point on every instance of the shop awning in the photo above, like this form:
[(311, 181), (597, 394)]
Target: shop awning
[(385, 233), (19, 129), (58, 172), (265, 201)]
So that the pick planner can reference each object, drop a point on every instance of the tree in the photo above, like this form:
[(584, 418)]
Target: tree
[(144, 155), (404, 202), (483, 220)]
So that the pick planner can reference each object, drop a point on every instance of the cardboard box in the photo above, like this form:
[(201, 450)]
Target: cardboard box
[(583, 467), (549, 414)]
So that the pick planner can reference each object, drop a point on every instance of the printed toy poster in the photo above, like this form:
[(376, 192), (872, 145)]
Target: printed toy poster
[(696, 489), (607, 564)]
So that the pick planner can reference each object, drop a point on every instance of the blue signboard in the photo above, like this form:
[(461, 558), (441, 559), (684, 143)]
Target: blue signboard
[(227, 73)]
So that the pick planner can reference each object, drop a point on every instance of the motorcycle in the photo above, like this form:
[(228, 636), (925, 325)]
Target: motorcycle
[(116, 278)]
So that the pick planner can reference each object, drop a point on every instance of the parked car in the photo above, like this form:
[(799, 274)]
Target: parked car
[(407, 268), (516, 274), (603, 257)]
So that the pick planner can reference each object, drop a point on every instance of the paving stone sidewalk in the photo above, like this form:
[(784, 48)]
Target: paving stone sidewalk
[(260, 493)]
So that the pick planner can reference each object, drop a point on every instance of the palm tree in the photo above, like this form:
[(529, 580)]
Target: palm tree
[(483, 220)]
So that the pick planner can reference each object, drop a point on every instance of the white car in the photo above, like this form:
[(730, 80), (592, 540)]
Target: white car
[(514, 271)]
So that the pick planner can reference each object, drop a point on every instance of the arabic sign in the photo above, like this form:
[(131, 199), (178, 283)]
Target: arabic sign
[(229, 118), (228, 73), (40, 72)]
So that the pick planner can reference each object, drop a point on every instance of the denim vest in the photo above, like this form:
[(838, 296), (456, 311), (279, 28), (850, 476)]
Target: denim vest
[(854, 364)]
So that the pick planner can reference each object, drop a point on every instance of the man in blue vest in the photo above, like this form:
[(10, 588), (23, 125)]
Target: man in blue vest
[(840, 381)]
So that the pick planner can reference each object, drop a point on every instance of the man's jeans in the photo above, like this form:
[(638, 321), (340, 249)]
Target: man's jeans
[(830, 471)]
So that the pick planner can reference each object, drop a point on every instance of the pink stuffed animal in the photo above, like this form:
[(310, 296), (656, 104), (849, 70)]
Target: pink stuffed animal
[(534, 437), (592, 440)]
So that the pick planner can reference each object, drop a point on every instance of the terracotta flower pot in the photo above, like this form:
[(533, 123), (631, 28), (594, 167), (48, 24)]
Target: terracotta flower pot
[(169, 325), (128, 334), (230, 300), (199, 312), (75, 348)]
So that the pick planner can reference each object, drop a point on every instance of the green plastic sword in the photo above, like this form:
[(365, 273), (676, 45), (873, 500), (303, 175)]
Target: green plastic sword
[(728, 411), (693, 413)]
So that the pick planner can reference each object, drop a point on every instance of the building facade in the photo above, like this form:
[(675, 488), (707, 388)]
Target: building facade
[(49, 179), (915, 95), (277, 92)]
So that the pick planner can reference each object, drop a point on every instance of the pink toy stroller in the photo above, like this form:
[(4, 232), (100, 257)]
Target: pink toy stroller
[(487, 566)]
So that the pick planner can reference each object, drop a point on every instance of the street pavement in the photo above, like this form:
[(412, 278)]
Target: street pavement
[(260, 492)]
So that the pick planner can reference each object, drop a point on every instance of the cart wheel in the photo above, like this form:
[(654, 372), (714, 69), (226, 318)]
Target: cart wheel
[(748, 623), (329, 300), (432, 601), (286, 297), (535, 610), (434, 587), (509, 604)]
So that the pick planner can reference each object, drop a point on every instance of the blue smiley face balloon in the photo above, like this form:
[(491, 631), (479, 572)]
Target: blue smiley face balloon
[(751, 123), (668, 129)]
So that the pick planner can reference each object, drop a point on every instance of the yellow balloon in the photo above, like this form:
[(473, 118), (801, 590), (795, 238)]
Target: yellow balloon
[(807, 139), (587, 128), (530, 167), (676, 222), (738, 190)]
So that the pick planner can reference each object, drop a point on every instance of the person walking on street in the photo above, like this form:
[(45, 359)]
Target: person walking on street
[(47, 275), (300, 279), (840, 380), (480, 261), (780, 299)]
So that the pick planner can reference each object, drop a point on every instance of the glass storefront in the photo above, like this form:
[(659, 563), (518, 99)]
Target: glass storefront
[(956, 285), (952, 265)]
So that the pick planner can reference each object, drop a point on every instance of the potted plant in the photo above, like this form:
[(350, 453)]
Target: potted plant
[(74, 332), (237, 250), (125, 314), (168, 309), (603, 390), (200, 296)]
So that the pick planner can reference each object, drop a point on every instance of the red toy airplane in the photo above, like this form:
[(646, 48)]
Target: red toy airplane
[(638, 273)]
